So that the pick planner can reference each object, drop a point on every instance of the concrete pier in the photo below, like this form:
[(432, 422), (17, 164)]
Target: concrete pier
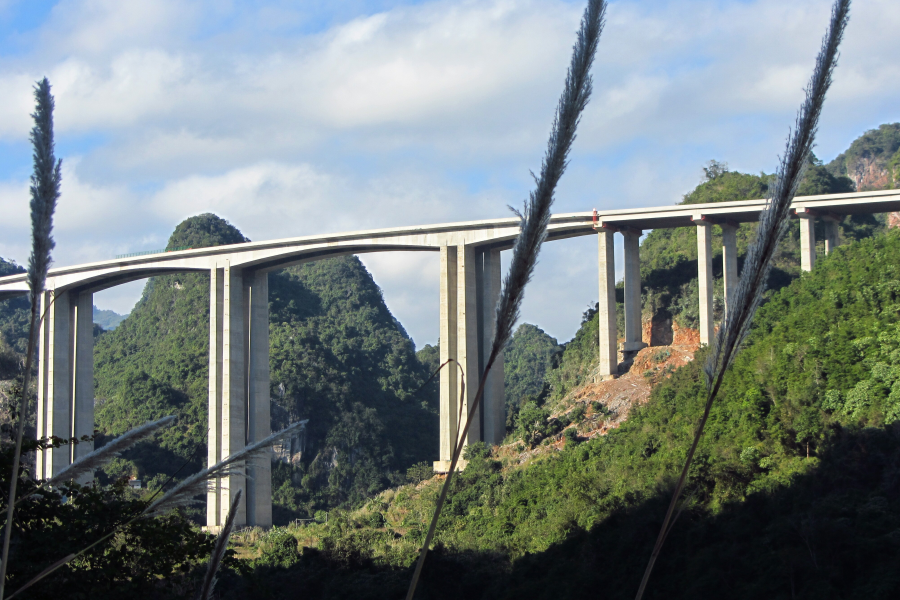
[(494, 401), (831, 233), (807, 240), (449, 397), (256, 357), (729, 263), (633, 331), (704, 275), (54, 380), (239, 392), (81, 319), (608, 336), (470, 283), (468, 338), (65, 379)]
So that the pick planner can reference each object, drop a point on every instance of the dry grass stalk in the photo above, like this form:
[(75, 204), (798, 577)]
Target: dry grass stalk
[(44, 194), (218, 553), (183, 494), (99, 457), (535, 219), (773, 224)]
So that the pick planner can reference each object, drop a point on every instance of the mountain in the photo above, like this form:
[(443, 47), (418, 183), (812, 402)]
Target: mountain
[(872, 161), (107, 319), (338, 358), (528, 357)]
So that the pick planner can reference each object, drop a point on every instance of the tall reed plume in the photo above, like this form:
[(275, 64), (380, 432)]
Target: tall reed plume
[(44, 193), (534, 221), (218, 553), (773, 224)]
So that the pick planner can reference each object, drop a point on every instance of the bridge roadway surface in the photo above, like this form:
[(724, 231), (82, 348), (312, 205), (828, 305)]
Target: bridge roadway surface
[(239, 383), (489, 233)]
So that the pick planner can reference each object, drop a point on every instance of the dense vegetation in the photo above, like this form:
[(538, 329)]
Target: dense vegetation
[(531, 353), (338, 358), (795, 491), (159, 558), (14, 316)]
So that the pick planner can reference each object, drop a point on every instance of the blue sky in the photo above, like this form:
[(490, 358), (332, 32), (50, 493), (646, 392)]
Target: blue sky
[(294, 118)]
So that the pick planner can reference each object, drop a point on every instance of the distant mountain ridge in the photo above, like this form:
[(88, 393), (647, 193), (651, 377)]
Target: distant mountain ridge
[(107, 319)]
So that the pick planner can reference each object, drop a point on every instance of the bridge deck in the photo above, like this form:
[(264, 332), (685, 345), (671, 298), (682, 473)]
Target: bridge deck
[(497, 233)]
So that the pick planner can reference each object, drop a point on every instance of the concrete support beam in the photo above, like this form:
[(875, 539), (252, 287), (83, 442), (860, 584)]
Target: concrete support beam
[(65, 379), (467, 339), (807, 241), (448, 348), (729, 263), (256, 324), (831, 235), (704, 268), (494, 394), (81, 319), (228, 390), (54, 382), (609, 362), (633, 331), (214, 445)]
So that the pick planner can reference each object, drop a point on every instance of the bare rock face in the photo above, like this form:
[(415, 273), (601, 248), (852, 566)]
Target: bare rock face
[(870, 173), (893, 220)]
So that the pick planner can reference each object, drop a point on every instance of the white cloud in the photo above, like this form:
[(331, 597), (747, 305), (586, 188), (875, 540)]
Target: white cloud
[(417, 114)]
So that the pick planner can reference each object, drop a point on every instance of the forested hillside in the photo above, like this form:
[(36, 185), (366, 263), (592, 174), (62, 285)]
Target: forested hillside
[(338, 358), (872, 161), (795, 491)]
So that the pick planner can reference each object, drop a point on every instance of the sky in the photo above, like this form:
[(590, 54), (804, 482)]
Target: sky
[(296, 118)]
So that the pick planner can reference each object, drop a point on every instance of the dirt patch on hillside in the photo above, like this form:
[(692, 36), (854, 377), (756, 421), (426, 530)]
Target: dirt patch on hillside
[(606, 404)]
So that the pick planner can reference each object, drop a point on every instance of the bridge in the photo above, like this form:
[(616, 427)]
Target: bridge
[(469, 289)]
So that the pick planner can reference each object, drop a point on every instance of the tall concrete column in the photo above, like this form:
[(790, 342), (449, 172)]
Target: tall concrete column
[(729, 263), (214, 445), (447, 342), (609, 360), (494, 397), (467, 337), (633, 331), (81, 319), (54, 382), (807, 241), (228, 389), (831, 234), (704, 268), (256, 323)]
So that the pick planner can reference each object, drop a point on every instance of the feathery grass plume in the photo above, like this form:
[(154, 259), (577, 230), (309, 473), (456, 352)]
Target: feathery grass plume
[(44, 194), (44, 189), (218, 553), (101, 456), (183, 493), (534, 222), (773, 224)]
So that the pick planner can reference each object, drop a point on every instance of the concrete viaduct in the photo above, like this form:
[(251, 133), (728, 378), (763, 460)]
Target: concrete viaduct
[(469, 288)]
